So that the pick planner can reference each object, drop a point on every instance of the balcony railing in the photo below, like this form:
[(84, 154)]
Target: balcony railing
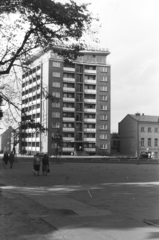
[(65, 79), (90, 81), (68, 109), (90, 110), (68, 139), (66, 89), (90, 100), (90, 130), (69, 69), (68, 119), (90, 91), (65, 99), (68, 129), (90, 139), (69, 149), (90, 71), (90, 120)]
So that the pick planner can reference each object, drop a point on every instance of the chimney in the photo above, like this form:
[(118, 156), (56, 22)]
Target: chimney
[(137, 114)]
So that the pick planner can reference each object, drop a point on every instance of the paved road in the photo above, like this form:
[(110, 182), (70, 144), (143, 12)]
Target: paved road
[(80, 201)]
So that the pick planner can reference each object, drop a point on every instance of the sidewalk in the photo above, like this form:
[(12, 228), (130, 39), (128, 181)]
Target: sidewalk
[(77, 210)]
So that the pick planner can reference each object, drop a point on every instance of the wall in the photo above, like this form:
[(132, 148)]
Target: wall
[(128, 136)]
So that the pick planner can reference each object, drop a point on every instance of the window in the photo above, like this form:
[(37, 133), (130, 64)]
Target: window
[(103, 69), (103, 146), (56, 84), (103, 136), (56, 74), (149, 129), (56, 64), (156, 130), (56, 94), (56, 125), (149, 142), (103, 88), (103, 97), (104, 79), (142, 142), (56, 105), (156, 142), (56, 114), (103, 107), (53, 145), (103, 126), (103, 117), (142, 129)]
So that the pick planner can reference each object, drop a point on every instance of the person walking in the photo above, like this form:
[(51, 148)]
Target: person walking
[(36, 164), (5, 159), (11, 159), (45, 164)]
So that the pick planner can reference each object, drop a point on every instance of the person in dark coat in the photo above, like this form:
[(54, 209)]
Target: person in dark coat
[(5, 159), (45, 164), (11, 159), (36, 164)]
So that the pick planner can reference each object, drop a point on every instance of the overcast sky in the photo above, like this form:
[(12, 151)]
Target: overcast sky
[(130, 30)]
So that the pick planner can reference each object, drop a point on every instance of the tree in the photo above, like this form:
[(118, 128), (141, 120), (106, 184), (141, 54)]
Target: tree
[(27, 26), (57, 139)]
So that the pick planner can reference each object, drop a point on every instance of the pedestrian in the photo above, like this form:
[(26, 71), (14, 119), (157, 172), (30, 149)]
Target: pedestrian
[(11, 159), (45, 164), (36, 164), (5, 159)]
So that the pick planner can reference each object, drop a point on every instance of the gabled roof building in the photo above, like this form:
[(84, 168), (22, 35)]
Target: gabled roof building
[(139, 133)]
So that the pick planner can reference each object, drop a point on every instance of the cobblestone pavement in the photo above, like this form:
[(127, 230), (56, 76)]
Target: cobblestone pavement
[(80, 201)]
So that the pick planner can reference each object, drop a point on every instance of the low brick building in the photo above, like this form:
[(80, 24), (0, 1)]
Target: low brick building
[(139, 133)]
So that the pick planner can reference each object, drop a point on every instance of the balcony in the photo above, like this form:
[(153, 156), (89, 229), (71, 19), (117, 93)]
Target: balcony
[(90, 100), (69, 69), (65, 89), (90, 120), (90, 130), (69, 149), (68, 119), (90, 91), (90, 71), (72, 80), (90, 110), (67, 129), (68, 109), (90, 139), (90, 81), (68, 99), (38, 72), (68, 139), (90, 149)]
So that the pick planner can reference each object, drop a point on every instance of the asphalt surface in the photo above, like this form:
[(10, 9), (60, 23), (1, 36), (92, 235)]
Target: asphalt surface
[(80, 201)]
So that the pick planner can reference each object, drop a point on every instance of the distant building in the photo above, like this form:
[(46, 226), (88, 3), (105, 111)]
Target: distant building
[(115, 143), (139, 133), (5, 140), (82, 111)]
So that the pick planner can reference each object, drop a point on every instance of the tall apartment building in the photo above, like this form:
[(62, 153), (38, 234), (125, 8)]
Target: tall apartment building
[(139, 133), (82, 112)]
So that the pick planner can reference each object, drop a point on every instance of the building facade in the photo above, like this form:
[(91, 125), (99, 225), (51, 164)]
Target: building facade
[(139, 133), (5, 140), (115, 144), (82, 109)]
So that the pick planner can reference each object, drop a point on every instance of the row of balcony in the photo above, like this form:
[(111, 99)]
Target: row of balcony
[(85, 70), (34, 102), (65, 99), (89, 120), (88, 110), (88, 91), (33, 75), (32, 85), (86, 81)]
